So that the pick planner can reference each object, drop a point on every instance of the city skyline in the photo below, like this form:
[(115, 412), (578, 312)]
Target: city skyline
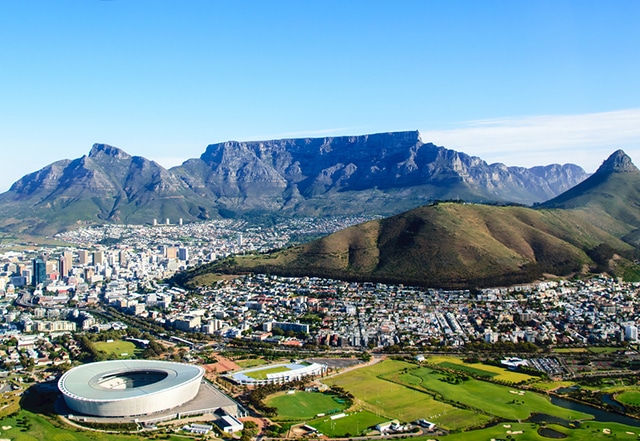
[(520, 83)]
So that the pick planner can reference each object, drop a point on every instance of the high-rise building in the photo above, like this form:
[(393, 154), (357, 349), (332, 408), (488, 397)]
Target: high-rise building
[(98, 257), (631, 333), (62, 267), (65, 263), (39, 271), (83, 257)]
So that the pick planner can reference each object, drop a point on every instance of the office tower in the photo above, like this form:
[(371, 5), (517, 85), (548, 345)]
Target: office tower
[(83, 257), (39, 271), (98, 257)]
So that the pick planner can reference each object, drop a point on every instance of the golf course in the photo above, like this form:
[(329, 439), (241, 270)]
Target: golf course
[(471, 401)]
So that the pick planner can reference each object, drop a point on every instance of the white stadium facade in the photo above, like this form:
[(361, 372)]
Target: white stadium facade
[(126, 388), (289, 372)]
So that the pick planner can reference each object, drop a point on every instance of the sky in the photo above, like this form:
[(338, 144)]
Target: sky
[(519, 82)]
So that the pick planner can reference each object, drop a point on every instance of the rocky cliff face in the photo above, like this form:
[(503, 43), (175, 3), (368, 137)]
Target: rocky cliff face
[(286, 174), (108, 185), (611, 196), (383, 174), (618, 162)]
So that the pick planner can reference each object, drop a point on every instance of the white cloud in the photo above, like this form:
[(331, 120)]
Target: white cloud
[(586, 139)]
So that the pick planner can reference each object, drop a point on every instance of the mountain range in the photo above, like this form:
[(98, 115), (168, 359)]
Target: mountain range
[(381, 174), (591, 228)]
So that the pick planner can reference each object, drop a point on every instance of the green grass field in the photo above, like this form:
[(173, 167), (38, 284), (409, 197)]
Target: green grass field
[(262, 373), (501, 401), (468, 369), (353, 424), (392, 400), (117, 348), (631, 397), (34, 427), (303, 405), (481, 369), (552, 385), (589, 431), (603, 350), (251, 362), (570, 350)]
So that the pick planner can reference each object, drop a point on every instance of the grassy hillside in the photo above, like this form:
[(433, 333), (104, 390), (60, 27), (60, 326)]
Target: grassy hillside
[(613, 205), (446, 245)]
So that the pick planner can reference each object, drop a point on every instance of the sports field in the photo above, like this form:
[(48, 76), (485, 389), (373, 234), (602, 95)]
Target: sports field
[(501, 401), (119, 348), (353, 424), (261, 374), (570, 350), (304, 405), (392, 400), (251, 362), (480, 369)]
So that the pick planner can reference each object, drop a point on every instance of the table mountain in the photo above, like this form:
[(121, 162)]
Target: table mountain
[(381, 173), (384, 173)]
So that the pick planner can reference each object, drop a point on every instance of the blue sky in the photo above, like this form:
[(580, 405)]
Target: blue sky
[(519, 82)]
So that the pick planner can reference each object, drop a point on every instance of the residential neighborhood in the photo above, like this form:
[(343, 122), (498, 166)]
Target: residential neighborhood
[(52, 291)]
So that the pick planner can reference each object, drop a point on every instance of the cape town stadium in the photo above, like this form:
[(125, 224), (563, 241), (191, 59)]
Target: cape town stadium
[(122, 388)]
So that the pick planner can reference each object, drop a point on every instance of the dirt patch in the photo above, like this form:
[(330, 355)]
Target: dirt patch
[(223, 365), (261, 422)]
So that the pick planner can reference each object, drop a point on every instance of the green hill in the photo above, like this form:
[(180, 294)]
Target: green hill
[(445, 245), (590, 228)]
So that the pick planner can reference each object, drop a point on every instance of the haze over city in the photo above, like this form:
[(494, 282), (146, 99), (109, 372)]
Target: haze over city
[(520, 83)]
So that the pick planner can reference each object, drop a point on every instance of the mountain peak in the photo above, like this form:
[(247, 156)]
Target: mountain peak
[(618, 162), (105, 149)]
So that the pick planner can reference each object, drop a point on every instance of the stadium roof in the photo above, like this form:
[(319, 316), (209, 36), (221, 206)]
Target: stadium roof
[(85, 381)]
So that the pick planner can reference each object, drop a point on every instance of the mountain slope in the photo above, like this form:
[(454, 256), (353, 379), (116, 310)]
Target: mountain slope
[(610, 198), (108, 185), (380, 174)]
